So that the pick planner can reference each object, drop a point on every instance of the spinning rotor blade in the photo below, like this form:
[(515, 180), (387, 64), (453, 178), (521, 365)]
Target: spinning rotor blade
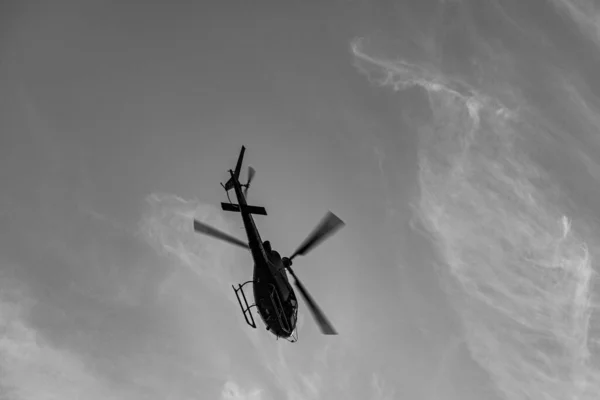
[(327, 227), (318, 315), (210, 231), (251, 172)]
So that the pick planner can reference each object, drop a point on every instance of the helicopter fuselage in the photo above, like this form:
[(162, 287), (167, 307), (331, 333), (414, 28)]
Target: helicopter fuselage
[(273, 294)]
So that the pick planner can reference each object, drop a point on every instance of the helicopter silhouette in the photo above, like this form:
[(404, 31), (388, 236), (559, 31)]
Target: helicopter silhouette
[(274, 297)]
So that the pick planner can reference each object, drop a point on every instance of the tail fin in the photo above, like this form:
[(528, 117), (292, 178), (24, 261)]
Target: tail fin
[(238, 168)]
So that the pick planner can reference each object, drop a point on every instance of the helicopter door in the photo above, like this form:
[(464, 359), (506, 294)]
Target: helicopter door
[(280, 274), (266, 309)]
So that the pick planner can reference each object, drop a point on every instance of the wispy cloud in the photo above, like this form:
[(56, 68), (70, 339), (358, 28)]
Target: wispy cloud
[(232, 391), (118, 327), (32, 368), (167, 225), (585, 13), (381, 391), (525, 275)]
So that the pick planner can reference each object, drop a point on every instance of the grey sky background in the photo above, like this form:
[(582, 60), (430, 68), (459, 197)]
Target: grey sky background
[(458, 140)]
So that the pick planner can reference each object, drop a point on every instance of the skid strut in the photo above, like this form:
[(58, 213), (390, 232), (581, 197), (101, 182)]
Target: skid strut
[(245, 307)]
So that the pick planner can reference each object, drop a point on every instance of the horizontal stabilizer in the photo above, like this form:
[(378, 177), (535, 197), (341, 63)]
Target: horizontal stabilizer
[(249, 209), (230, 207)]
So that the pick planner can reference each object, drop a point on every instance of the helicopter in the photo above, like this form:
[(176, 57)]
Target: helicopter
[(274, 297)]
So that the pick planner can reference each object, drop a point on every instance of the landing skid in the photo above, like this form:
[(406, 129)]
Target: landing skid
[(245, 307)]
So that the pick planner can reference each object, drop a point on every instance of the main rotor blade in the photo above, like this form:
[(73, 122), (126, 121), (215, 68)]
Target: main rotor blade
[(327, 227), (318, 315), (210, 231)]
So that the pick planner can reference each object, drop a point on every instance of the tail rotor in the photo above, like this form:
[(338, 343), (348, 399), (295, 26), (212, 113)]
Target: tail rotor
[(251, 173)]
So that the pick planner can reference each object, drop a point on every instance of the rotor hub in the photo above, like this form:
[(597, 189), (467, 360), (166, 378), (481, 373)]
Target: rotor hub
[(286, 262)]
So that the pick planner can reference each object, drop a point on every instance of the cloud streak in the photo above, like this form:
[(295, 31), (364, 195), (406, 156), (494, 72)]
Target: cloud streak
[(32, 368), (232, 391), (518, 272), (585, 13), (168, 226)]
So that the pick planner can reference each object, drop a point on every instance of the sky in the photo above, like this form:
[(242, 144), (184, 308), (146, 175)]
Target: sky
[(458, 140)]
